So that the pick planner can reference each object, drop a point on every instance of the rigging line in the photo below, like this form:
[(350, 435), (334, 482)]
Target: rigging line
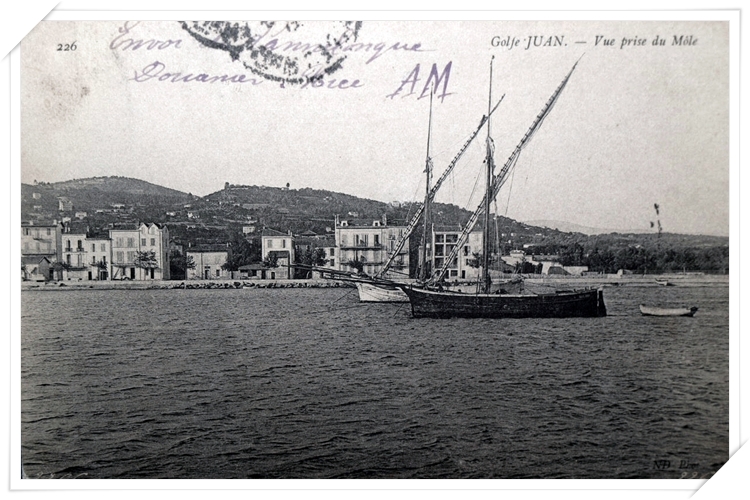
[(512, 175)]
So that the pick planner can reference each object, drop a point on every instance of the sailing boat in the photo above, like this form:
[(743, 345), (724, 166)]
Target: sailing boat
[(380, 289), (432, 301)]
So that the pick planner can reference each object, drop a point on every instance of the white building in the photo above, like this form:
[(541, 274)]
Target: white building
[(208, 263), (278, 246), (371, 242)]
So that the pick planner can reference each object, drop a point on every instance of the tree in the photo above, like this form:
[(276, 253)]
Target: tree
[(146, 260), (359, 265), (310, 257), (179, 264), (241, 252), (271, 260)]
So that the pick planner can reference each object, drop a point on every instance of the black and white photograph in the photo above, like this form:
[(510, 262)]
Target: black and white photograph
[(480, 249)]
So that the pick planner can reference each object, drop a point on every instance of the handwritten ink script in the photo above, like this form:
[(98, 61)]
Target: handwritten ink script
[(433, 82), (272, 52)]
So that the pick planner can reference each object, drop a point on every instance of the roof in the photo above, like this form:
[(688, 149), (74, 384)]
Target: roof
[(34, 259), (208, 249), (267, 231)]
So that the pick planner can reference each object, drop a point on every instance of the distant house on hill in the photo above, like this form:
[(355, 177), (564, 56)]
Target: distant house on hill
[(64, 204), (255, 206)]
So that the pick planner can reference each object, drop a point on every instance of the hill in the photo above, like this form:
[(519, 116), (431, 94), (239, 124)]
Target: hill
[(221, 217), (43, 200)]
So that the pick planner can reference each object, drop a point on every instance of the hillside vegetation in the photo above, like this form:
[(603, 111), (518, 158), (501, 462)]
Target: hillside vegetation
[(219, 218)]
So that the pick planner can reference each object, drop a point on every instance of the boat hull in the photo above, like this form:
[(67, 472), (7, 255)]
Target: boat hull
[(380, 293), (564, 304), (660, 311)]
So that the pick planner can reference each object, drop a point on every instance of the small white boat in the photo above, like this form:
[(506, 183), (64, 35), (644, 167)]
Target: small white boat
[(661, 311), (369, 292)]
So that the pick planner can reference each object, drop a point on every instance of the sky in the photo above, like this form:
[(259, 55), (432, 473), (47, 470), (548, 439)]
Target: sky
[(638, 123)]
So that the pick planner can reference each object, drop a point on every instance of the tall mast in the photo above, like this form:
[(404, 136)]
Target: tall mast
[(423, 274), (502, 176), (486, 280), (411, 227)]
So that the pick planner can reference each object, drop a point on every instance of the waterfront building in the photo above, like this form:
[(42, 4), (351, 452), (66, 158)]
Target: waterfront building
[(208, 262), (99, 258), (74, 256), (128, 243), (278, 247), (370, 242), (40, 242), (464, 265)]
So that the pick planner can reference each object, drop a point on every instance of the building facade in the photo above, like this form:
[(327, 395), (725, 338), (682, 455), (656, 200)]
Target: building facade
[(278, 247), (370, 242), (208, 264), (41, 249), (74, 256), (464, 265), (131, 247)]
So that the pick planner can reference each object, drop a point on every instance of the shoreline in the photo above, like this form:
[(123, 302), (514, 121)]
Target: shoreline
[(606, 280)]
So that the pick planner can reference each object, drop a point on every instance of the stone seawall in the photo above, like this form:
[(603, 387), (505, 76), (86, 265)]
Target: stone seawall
[(603, 280), (189, 285)]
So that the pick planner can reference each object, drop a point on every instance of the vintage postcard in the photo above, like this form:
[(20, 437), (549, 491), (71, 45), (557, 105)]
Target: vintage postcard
[(375, 249)]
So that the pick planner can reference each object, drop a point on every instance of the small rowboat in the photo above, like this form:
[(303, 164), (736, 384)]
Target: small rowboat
[(661, 311)]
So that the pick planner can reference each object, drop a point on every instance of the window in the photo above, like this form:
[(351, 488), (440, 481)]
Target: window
[(143, 242), (153, 242), (283, 243), (80, 245), (438, 238), (67, 259), (377, 240), (131, 256), (331, 252), (93, 259), (119, 256), (131, 242), (218, 273), (67, 245), (270, 243), (49, 231), (26, 231), (104, 247), (93, 247), (118, 242)]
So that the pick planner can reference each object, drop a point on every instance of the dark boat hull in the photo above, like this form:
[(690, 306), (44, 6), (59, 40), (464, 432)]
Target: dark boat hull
[(587, 303)]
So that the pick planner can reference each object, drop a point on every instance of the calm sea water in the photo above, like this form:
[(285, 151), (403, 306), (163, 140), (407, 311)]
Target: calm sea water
[(308, 383)]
